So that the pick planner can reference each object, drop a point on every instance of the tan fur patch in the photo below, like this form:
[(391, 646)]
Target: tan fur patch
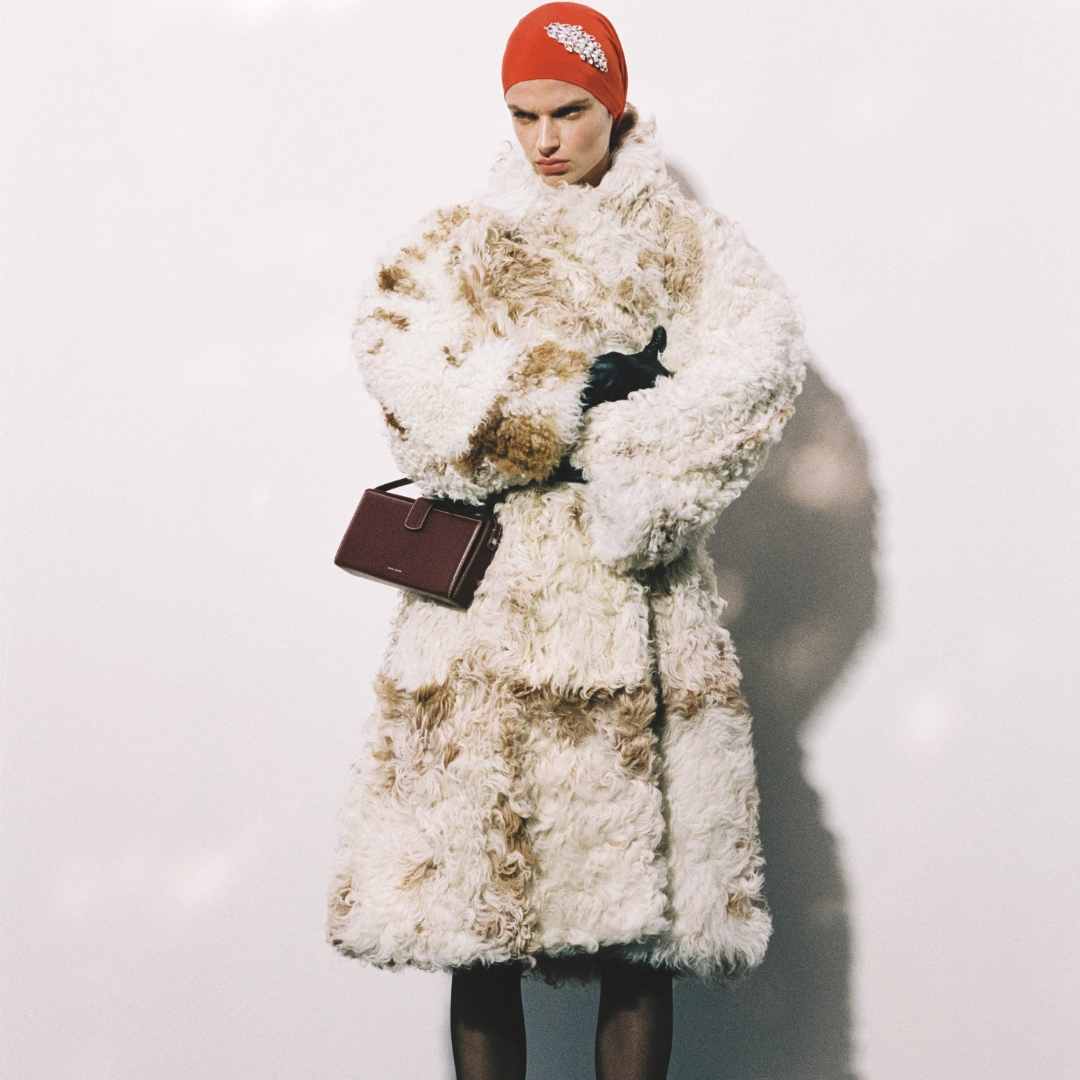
[(513, 280), (446, 222), (636, 295), (417, 874), (393, 422), (470, 288), (684, 255), (386, 769), (395, 320), (520, 275), (519, 446), (687, 704), (570, 712), (629, 721), (625, 716), (434, 704), (422, 712), (573, 721), (388, 694), (499, 910), (395, 278), (551, 360), (518, 841), (650, 258)]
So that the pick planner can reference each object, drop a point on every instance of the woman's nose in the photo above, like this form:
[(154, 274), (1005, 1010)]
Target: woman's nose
[(547, 138)]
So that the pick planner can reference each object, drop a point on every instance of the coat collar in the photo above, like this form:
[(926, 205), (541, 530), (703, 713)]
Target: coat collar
[(516, 191)]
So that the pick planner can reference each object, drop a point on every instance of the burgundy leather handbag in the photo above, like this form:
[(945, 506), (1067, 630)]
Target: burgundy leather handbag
[(439, 549)]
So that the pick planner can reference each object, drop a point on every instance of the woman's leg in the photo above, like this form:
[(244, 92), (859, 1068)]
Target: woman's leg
[(487, 1025), (633, 1030)]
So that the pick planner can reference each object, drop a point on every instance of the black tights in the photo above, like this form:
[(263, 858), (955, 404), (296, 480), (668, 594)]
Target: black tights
[(633, 1028)]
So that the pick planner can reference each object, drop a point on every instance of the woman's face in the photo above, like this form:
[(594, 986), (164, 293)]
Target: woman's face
[(564, 131)]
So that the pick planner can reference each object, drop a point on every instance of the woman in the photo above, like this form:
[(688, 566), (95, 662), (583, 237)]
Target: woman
[(564, 771)]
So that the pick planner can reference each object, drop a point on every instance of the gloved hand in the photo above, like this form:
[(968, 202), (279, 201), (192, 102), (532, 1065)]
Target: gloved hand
[(615, 376)]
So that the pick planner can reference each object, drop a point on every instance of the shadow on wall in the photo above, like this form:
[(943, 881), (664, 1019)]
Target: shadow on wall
[(794, 557)]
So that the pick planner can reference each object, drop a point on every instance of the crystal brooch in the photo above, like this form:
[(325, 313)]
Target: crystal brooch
[(574, 39)]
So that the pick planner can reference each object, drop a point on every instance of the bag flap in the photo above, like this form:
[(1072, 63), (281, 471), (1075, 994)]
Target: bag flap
[(418, 514)]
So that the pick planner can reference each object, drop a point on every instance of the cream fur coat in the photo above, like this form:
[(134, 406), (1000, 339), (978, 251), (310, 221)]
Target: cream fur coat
[(566, 767)]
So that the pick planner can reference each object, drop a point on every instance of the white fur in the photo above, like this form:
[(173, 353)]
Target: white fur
[(531, 811)]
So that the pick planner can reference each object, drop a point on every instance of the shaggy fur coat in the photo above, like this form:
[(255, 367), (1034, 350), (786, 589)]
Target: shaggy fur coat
[(566, 767)]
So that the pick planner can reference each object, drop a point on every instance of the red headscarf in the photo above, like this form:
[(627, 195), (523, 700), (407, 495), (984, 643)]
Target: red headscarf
[(571, 43)]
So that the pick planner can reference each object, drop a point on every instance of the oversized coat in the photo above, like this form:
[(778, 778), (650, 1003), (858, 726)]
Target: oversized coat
[(566, 768)]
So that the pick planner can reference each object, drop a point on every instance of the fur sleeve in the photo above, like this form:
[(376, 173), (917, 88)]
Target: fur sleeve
[(473, 402), (662, 465)]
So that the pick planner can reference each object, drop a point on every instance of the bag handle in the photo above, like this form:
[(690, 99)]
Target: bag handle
[(394, 484), (470, 508)]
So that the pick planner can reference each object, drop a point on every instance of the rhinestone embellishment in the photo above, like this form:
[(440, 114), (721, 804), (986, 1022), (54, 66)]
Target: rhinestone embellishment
[(574, 39)]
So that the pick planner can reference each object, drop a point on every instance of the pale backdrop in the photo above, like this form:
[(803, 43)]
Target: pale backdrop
[(194, 191)]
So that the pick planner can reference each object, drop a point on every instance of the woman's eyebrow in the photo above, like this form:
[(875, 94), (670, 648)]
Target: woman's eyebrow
[(564, 109)]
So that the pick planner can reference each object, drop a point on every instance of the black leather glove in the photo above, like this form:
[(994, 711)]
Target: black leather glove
[(615, 376)]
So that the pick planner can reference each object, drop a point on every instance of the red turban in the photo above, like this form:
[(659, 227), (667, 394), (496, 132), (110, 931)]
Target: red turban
[(571, 43)]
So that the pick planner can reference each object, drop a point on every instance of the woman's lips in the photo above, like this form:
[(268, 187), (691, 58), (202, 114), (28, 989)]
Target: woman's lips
[(553, 165)]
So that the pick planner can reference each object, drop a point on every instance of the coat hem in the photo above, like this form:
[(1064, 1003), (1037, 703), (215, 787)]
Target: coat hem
[(580, 964)]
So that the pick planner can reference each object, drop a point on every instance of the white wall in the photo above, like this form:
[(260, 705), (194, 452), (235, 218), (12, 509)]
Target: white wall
[(194, 192)]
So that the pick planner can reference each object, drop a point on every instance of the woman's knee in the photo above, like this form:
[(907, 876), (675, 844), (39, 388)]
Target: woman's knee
[(629, 982), (490, 988)]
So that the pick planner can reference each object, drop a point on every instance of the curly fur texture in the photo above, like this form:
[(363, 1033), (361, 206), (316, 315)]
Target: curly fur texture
[(566, 767)]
